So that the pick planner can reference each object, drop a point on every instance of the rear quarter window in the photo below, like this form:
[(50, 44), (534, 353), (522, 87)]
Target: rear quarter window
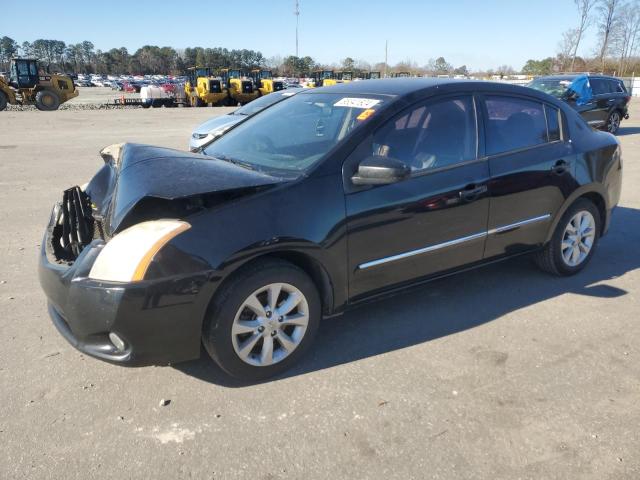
[(553, 123)]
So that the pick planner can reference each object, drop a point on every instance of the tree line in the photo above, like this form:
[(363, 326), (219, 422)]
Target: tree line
[(56, 55), (617, 52)]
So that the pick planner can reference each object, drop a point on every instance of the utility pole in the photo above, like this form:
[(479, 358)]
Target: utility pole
[(386, 56), (297, 14)]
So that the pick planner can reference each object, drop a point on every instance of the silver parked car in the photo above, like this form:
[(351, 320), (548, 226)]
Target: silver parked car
[(215, 127)]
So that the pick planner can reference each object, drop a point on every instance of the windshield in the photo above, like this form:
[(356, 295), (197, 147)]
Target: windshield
[(295, 134), (261, 103), (556, 87)]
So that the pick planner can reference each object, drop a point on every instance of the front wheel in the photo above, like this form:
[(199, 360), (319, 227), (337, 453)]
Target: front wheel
[(47, 100), (3, 101), (613, 122), (263, 320), (574, 240)]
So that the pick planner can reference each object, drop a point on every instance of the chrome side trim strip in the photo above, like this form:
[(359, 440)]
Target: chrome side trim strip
[(522, 223), (420, 251), (451, 243)]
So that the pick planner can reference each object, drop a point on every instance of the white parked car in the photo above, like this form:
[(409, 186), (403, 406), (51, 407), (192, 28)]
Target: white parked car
[(211, 129)]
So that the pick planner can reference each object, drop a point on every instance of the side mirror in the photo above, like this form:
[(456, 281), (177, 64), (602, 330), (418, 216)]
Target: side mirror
[(377, 170)]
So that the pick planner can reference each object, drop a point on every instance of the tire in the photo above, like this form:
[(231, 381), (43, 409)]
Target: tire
[(613, 122), (3, 101), (200, 102), (47, 101), (555, 257), (231, 327)]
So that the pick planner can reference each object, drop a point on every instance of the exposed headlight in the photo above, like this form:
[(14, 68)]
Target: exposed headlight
[(126, 257), (199, 136)]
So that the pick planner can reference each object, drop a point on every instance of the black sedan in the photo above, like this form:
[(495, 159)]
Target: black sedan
[(334, 197)]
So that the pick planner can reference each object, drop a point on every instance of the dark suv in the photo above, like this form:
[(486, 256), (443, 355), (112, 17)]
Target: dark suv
[(602, 101)]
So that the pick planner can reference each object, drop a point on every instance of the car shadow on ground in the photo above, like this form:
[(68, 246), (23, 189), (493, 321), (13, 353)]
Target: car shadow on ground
[(627, 131), (453, 304)]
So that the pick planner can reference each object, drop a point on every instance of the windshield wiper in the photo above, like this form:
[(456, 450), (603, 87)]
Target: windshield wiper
[(235, 161)]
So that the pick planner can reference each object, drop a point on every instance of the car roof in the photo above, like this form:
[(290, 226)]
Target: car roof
[(387, 86), (421, 87)]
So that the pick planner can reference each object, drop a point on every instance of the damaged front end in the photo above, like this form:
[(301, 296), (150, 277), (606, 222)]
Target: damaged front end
[(73, 226), (140, 183)]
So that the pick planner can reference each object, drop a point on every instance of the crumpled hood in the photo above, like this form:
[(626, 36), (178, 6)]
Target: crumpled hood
[(140, 172)]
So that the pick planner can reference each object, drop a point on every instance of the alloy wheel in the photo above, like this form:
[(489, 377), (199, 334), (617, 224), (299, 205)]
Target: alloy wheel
[(578, 238), (614, 122), (270, 324)]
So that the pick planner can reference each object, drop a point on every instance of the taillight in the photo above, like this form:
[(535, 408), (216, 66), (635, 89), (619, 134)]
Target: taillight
[(627, 99)]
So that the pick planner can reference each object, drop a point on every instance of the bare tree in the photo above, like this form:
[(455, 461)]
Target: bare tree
[(567, 48), (625, 36), (584, 9), (608, 10)]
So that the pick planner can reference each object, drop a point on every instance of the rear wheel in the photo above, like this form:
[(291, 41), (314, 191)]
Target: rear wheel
[(613, 122), (263, 320), (574, 240), (3, 101), (47, 100)]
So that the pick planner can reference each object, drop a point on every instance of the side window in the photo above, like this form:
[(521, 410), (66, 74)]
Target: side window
[(514, 123), (553, 123), (617, 86), (599, 86), (431, 136)]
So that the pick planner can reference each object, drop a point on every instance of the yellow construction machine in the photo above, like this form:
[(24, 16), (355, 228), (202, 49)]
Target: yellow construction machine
[(27, 85), (203, 88), (344, 77), (323, 78), (263, 79), (242, 88)]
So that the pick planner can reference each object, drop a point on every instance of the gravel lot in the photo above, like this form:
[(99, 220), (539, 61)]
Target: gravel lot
[(502, 373)]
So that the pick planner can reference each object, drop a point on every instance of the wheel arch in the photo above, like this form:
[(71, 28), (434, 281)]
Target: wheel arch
[(594, 193), (307, 263)]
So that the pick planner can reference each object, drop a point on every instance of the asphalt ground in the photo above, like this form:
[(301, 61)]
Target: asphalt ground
[(500, 373)]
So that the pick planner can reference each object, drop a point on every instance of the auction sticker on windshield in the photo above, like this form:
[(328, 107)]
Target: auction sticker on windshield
[(357, 103)]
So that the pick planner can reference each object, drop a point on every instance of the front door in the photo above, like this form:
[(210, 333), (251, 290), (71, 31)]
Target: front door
[(433, 221)]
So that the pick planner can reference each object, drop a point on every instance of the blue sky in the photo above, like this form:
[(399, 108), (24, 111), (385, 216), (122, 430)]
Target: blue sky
[(480, 34)]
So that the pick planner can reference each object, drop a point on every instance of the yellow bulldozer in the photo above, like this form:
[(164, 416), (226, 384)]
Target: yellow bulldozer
[(263, 79), (242, 88), (203, 88), (27, 85)]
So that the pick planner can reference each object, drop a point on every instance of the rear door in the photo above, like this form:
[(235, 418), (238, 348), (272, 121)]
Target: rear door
[(602, 101), (531, 167), (433, 221)]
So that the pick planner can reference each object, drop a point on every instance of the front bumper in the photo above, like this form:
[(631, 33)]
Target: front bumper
[(160, 321)]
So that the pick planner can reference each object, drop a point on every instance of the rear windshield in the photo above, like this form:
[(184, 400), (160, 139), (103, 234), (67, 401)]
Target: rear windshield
[(295, 134)]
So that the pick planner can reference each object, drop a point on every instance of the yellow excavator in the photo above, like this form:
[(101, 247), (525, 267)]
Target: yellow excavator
[(203, 88), (29, 86), (265, 82), (242, 88)]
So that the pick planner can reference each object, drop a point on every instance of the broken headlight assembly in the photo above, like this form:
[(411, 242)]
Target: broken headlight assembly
[(126, 257)]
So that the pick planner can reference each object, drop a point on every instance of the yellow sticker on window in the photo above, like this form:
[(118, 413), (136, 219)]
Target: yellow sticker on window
[(366, 114)]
